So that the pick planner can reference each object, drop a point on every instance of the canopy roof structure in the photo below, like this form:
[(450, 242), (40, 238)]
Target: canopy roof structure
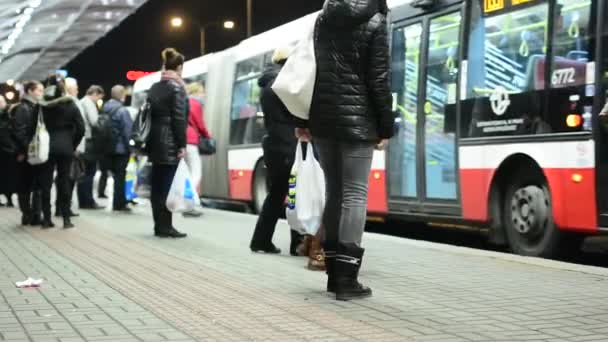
[(39, 36)]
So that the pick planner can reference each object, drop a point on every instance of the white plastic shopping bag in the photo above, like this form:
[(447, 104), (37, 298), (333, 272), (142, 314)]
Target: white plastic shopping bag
[(38, 150), (296, 81), (306, 198), (182, 195)]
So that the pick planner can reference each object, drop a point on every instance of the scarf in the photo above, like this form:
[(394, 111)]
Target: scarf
[(170, 75)]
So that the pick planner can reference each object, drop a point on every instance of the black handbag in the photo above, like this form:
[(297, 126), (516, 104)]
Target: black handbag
[(207, 146), (77, 170)]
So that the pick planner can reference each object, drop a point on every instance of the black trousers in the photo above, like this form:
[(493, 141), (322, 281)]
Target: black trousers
[(28, 189), (85, 186), (64, 187), (104, 167), (118, 166), (161, 179), (279, 169)]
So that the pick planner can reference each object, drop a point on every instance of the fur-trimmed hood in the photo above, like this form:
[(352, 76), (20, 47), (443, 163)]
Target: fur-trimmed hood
[(57, 102)]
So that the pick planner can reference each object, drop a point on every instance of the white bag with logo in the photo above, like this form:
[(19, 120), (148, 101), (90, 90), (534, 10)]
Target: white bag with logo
[(38, 150), (306, 197), (296, 81), (182, 195)]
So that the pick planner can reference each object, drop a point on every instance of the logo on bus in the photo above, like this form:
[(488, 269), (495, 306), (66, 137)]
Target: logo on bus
[(499, 100), (563, 76)]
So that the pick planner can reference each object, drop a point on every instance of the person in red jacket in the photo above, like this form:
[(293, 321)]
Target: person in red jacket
[(196, 130)]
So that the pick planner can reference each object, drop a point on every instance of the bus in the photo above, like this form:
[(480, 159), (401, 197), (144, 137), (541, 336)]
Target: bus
[(497, 110)]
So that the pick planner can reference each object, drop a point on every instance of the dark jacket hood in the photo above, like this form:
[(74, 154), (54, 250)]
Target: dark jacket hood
[(349, 12), (269, 75)]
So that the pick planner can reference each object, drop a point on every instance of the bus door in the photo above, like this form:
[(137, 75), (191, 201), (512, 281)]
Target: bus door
[(422, 157)]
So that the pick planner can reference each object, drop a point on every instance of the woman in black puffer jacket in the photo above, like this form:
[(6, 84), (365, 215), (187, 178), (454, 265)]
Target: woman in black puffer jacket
[(167, 142), (65, 125), (350, 116)]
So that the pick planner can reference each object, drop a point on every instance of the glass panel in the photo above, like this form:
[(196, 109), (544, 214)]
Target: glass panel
[(250, 67), (247, 119), (572, 50), (406, 59), (506, 72), (441, 79)]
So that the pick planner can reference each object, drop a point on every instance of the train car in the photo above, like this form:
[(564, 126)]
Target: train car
[(497, 104)]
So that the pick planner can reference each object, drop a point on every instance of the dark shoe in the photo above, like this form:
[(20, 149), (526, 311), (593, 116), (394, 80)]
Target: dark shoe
[(171, 233), (192, 214), (316, 257), (123, 210), (10, 204), (36, 221), (48, 224), (296, 240), (93, 206), (346, 270), (25, 220), (271, 249), (67, 223), (102, 196)]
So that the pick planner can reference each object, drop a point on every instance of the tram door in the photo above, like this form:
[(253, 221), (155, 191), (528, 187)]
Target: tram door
[(422, 156)]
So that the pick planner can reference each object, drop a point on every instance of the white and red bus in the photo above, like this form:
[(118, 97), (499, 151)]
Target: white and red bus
[(497, 106)]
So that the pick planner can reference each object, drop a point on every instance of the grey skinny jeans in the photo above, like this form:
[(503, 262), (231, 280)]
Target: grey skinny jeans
[(347, 167)]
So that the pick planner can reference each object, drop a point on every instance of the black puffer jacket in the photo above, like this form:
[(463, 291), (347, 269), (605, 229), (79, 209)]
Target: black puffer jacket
[(352, 98), (7, 142), (25, 116), (65, 125), (169, 104), (277, 119)]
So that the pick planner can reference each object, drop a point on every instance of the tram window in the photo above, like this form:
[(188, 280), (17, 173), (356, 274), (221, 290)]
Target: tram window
[(247, 120), (572, 50), (249, 67), (505, 78)]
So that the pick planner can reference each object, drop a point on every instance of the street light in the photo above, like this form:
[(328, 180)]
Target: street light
[(177, 22)]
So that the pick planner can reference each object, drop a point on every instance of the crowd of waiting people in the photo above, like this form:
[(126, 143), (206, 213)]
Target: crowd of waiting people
[(350, 116)]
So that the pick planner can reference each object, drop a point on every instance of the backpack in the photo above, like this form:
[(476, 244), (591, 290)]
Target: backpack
[(142, 125), (103, 134)]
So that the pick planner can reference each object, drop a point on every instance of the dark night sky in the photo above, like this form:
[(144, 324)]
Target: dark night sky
[(136, 44)]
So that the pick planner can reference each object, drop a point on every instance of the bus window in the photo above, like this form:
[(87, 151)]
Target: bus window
[(247, 119), (505, 76), (572, 50)]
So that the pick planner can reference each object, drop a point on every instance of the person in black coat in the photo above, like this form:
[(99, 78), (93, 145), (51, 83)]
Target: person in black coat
[(8, 154), (350, 115), (279, 146), (65, 125), (167, 141), (25, 117)]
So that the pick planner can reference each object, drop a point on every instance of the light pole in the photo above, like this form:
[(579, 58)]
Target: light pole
[(177, 22), (249, 18)]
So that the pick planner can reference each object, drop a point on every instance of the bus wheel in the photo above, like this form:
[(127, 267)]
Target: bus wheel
[(261, 184), (528, 217)]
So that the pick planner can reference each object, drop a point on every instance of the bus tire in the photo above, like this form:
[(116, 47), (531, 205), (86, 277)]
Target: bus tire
[(528, 216), (260, 186)]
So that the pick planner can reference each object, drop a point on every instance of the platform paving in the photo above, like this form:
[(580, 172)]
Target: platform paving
[(111, 280)]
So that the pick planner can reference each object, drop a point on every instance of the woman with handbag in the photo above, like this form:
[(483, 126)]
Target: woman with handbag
[(166, 144), (65, 125), (197, 133), (8, 154)]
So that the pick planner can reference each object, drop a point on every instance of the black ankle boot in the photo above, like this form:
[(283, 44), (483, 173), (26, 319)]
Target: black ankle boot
[(346, 271), (330, 266)]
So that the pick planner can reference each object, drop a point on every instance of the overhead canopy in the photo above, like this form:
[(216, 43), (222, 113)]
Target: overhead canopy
[(40, 36)]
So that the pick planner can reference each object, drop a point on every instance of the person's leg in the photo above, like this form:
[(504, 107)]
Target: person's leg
[(155, 195), (165, 217), (85, 187), (119, 173), (64, 189), (329, 157), (356, 160), (45, 172), (25, 180), (103, 179), (279, 169)]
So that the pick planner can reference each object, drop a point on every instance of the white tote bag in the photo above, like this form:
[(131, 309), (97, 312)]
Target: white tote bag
[(296, 81), (38, 150), (306, 197), (182, 195)]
